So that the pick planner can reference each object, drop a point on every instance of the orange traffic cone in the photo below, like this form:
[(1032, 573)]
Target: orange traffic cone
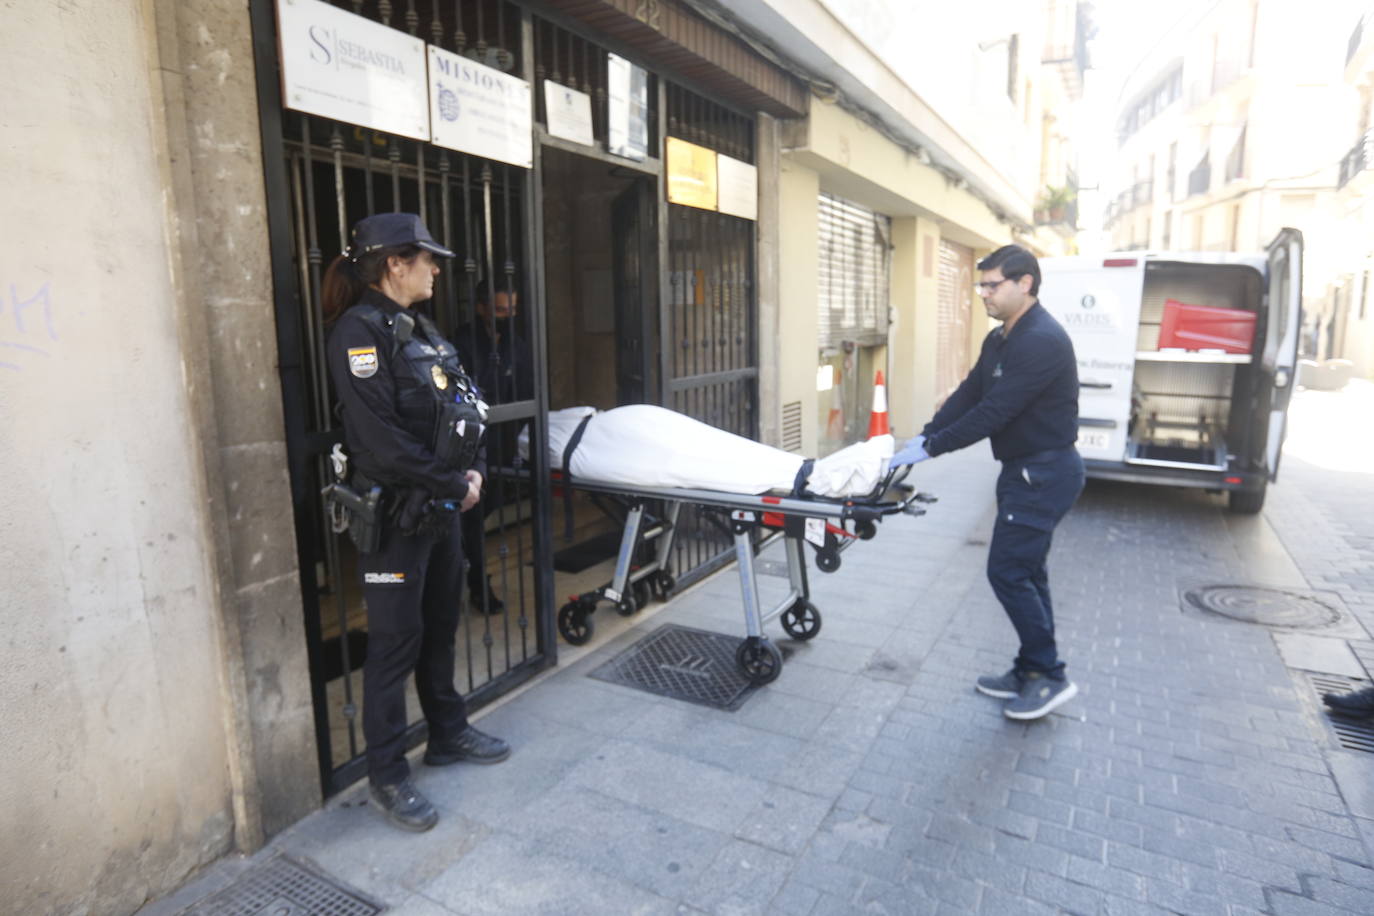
[(877, 421)]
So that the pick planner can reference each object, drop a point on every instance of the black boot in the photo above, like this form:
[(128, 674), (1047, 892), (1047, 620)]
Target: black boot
[(490, 603), (1356, 703), (472, 745), (404, 806)]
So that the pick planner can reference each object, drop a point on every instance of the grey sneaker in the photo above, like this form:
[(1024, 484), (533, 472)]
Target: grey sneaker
[(1039, 695), (1002, 686)]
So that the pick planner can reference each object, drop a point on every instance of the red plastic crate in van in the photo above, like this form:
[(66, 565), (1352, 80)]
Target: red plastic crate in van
[(1205, 327)]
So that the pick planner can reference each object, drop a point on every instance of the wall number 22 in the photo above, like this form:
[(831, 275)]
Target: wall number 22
[(648, 12)]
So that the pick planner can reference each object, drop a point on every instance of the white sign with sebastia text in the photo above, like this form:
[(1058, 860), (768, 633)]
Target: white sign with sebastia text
[(476, 109), (569, 113), (627, 108), (737, 187), (341, 66)]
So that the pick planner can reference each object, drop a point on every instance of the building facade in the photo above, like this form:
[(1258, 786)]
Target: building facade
[(1345, 330), (1206, 158), (182, 674)]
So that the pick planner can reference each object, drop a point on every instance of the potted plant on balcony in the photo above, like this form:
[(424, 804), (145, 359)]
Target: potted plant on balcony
[(1054, 204)]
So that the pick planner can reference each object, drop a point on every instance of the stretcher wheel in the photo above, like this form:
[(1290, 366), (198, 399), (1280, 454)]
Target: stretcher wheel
[(665, 582), (802, 620), (827, 561), (865, 530), (758, 660), (626, 606), (575, 623), (642, 593)]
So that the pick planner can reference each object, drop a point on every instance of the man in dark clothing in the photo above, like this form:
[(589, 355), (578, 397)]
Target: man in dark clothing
[(500, 361), (1023, 396)]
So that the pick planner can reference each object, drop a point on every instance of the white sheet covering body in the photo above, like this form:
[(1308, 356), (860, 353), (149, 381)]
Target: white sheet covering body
[(641, 445)]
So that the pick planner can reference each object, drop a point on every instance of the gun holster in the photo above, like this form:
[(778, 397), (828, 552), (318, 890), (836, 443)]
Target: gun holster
[(362, 514)]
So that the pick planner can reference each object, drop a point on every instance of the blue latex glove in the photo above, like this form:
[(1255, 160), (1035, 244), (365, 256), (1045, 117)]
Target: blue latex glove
[(911, 453)]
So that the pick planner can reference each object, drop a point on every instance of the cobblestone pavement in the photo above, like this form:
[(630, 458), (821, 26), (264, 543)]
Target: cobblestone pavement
[(1194, 774)]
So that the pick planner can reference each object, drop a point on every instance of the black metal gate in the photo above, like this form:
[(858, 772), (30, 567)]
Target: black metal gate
[(328, 176), (709, 315), (697, 352)]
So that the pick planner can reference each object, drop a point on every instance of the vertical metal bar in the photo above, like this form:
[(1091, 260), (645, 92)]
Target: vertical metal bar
[(422, 184), (481, 47), (450, 290), (394, 155), (469, 271), (436, 25), (412, 18), (369, 142), (460, 37), (546, 634)]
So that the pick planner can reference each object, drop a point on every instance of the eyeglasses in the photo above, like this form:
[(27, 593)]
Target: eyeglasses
[(988, 286)]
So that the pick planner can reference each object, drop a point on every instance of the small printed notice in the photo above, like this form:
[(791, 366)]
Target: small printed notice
[(569, 113), (347, 68), (739, 187), (479, 110), (691, 174), (627, 107)]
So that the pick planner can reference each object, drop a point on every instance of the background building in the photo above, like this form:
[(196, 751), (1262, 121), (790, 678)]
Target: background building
[(1233, 126), (1345, 328)]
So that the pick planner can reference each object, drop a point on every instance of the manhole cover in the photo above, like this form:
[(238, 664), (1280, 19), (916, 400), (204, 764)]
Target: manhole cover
[(282, 886), (686, 664), (1270, 607), (1351, 734)]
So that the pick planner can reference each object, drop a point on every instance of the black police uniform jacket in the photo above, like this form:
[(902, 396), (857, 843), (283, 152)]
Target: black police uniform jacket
[(389, 411)]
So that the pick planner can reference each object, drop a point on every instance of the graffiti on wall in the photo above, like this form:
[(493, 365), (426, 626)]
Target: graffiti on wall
[(27, 326)]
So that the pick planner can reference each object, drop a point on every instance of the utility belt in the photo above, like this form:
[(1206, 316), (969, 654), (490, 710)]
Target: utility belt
[(362, 507)]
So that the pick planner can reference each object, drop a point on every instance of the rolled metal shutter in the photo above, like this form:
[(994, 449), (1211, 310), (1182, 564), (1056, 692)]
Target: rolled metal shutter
[(955, 317), (855, 261)]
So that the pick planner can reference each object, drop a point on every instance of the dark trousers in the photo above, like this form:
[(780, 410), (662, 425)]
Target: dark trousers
[(413, 586), (1033, 493)]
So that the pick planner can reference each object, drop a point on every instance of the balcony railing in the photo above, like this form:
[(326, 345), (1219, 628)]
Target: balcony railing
[(1360, 157), (1200, 178)]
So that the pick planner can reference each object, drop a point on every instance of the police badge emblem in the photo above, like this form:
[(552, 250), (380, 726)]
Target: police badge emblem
[(362, 361), (440, 377)]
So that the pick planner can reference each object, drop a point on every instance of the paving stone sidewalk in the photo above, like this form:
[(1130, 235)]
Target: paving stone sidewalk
[(1192, 775)]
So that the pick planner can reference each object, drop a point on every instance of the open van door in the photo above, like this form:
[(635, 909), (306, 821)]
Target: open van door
[(1279, 358)]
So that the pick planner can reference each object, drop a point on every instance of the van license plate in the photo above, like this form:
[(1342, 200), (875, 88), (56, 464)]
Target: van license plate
[(1093, 439)]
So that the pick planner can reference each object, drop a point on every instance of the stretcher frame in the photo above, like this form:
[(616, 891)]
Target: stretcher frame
[(830, 526)]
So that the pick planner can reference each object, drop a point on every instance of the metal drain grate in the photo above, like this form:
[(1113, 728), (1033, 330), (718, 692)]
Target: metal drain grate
[(1351, 734), (1270, 607), (686, 664), (282, 886)]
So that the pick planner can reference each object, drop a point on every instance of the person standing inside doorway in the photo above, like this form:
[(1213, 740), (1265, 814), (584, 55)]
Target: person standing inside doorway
[(1022, 395), (412, 428)]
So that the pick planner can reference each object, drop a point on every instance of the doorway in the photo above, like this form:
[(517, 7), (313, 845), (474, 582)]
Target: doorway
[(601, 283)]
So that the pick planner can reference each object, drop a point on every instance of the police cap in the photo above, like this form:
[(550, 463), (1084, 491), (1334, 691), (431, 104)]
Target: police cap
[(384, 230)]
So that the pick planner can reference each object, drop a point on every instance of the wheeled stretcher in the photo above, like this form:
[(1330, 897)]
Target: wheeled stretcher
[(829, 526)]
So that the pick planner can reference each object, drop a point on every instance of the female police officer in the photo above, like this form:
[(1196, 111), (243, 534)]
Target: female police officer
[(412, 427)]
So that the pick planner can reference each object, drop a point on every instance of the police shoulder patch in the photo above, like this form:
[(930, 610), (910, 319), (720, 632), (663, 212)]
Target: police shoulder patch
[(362, 361)]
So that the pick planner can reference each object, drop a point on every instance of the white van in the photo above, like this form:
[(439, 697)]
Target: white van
[(1186, 362)]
